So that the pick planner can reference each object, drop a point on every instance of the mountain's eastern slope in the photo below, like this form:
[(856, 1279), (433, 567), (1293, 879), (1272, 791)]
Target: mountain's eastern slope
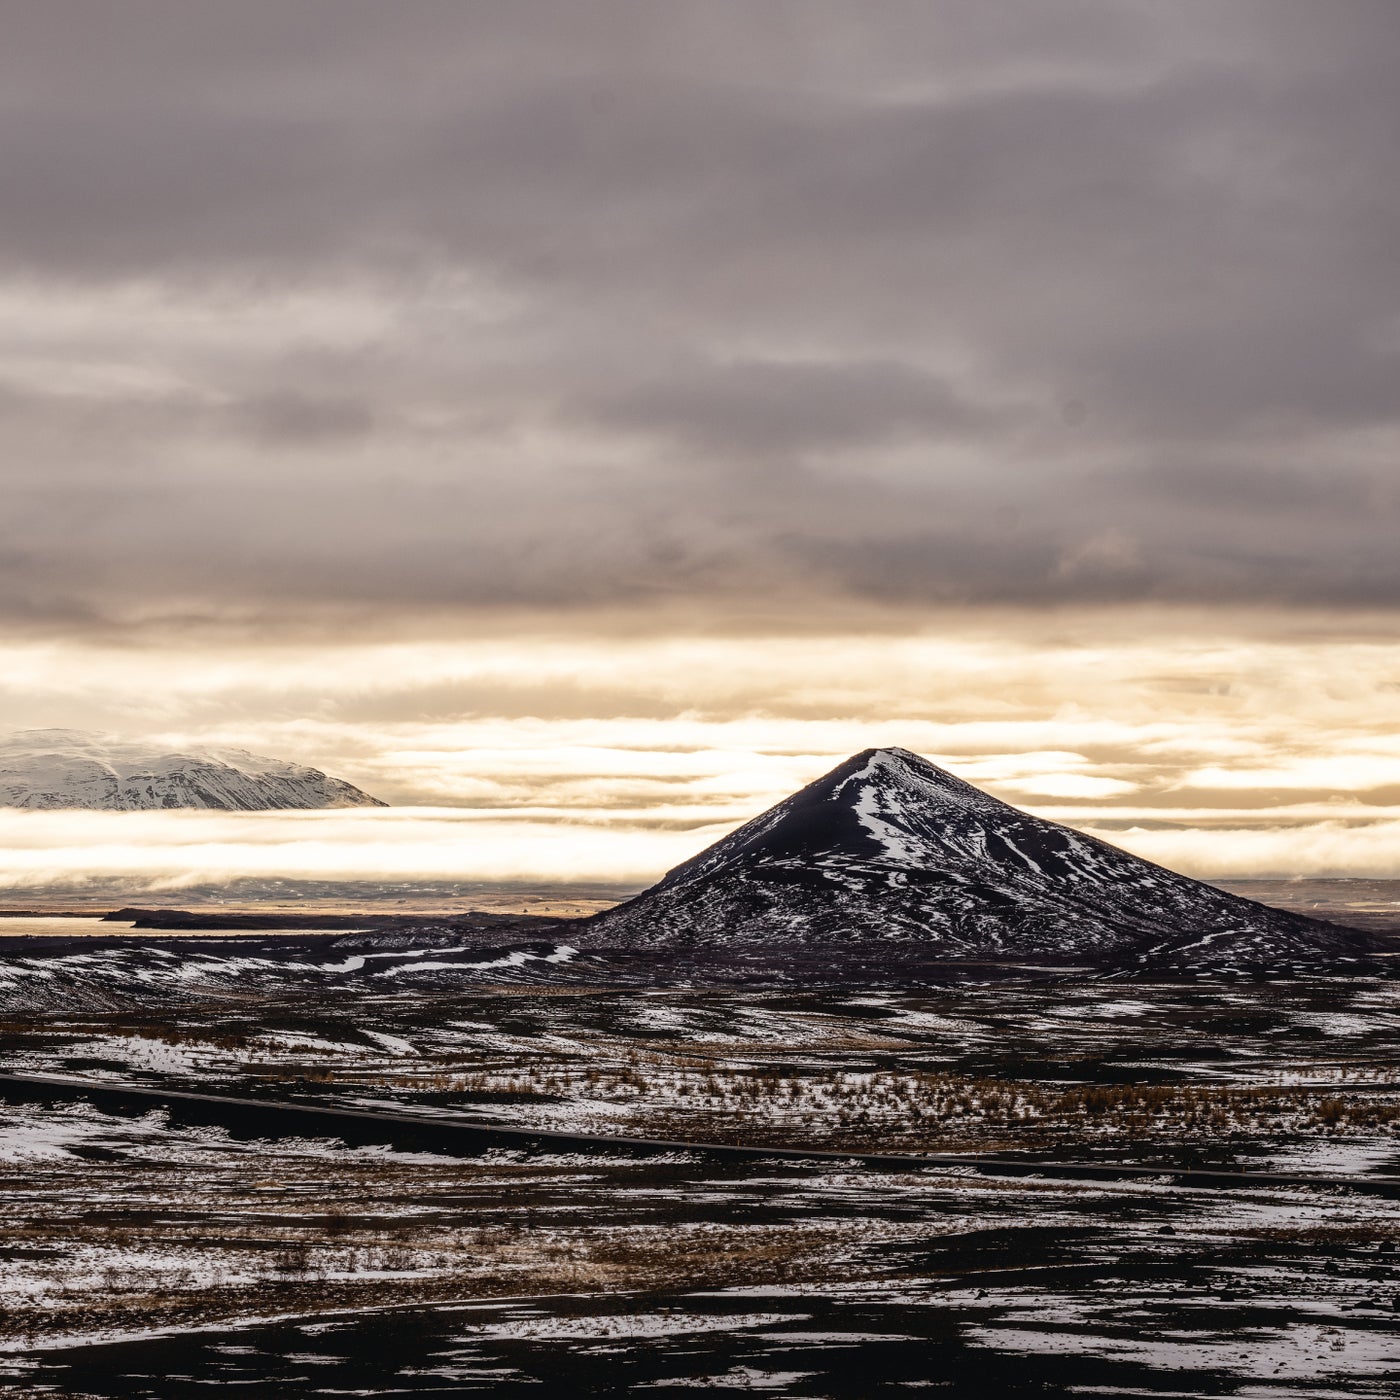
[(889, 847), (64, 768)]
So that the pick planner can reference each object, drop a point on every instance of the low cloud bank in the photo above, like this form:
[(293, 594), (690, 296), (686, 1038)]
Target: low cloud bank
[(172, 849)]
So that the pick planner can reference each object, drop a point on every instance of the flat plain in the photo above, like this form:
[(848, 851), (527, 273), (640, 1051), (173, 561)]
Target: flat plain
[(158, 1247)]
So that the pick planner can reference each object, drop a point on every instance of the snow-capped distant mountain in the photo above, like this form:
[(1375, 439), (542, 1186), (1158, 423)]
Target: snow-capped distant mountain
[(890, 847), (58, 768)]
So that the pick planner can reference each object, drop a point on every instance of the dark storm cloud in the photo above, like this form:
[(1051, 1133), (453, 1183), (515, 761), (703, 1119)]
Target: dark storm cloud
[(289, 418), (747, 410), (454, 305)]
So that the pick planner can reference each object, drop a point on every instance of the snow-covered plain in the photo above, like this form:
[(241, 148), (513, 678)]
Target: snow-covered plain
[(145, 1258), (148, 1256)]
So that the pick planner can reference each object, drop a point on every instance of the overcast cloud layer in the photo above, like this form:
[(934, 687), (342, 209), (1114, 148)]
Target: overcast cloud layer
[(444, 307), (582, 423)]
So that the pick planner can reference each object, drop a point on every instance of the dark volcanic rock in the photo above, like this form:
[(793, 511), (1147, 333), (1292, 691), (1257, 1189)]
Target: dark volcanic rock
[(889, 848)]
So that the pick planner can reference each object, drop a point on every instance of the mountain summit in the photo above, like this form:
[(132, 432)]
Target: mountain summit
[(58, 768), (889, 847)]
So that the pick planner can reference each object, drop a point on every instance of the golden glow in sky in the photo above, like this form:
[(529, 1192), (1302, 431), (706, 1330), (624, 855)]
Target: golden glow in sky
[(542, 757)]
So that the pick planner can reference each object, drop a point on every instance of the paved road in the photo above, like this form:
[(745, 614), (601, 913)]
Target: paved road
[(287, 1117)]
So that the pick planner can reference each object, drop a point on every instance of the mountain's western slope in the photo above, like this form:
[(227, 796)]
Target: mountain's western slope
[(60, 768), (889, 847)]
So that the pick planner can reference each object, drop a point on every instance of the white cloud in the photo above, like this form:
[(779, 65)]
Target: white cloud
[(1316, 849), (1070, 785), (1342, 772)]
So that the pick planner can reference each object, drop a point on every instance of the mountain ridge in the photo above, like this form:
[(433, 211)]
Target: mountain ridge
[(67, 769)]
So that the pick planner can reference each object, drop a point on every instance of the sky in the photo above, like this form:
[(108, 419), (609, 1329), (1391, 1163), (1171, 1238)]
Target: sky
[(582, 423)]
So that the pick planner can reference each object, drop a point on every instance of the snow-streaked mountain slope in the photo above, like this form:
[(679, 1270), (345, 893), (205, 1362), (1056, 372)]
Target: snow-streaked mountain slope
[(57, 768), (887, 846)]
